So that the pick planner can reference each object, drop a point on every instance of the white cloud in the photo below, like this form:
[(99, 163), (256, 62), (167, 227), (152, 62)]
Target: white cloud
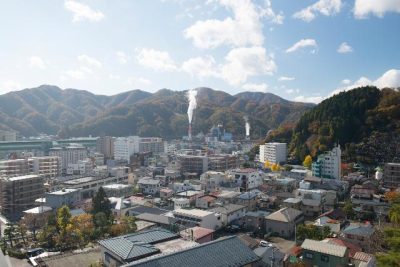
[(75, 74), (363, 8), (301, 44), (324, 7), (138, 82), (89, 61), (309, 99), (154, 59), (245, 28), (390, 78), (244, 62), (256, 87), (83, 12), (37, 62), (344, 48), (200, 66), (291, 91), (10, 85), (346, 81), (285, 78), (122, 57)]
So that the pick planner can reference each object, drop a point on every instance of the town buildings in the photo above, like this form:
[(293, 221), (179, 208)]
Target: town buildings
[(19, 193), (105, 146), (275, 153), (328, 165), (70, 154), (391, 175)]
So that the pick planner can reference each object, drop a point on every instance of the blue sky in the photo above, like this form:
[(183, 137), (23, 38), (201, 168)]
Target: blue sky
[(300, 50)]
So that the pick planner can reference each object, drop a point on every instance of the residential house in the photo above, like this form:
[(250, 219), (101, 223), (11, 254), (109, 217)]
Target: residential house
[(318, 253), (283, 222), (149, 185), (197, 217), (361, 234), (206, 202), (229, 251), (248, 199), (270, 256), (121, 250), (230, 213), (254, 220), (198, 234)]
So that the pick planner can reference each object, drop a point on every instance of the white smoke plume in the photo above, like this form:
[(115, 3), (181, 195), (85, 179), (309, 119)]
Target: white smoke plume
[(191, 95), (246, 119)]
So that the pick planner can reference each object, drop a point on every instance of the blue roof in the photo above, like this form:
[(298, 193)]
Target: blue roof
[(359, 229), (223, 252)]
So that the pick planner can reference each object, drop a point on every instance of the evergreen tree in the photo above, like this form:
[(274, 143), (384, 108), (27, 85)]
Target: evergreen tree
[(101, 203)]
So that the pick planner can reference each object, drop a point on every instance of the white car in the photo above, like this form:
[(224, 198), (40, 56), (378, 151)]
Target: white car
[(264, 243)]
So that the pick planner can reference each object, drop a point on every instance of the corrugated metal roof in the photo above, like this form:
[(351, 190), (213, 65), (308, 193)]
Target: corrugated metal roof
[(219, 253), (323, 247)]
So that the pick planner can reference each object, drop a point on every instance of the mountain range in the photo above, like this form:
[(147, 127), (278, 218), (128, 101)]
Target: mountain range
[(70, 112), (365, 121)]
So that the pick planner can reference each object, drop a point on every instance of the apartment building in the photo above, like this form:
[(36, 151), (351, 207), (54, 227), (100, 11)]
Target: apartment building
[(14, 167), (105, 146), (8, 136), (328, 165), (246, 179), (391, 175), (151, 144), (20, 192), (124, 147), (69, 154), (273, 152), (47, 167)]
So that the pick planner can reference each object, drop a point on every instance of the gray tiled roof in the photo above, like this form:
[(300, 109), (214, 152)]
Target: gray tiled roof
[(228, 251), (228, 208), (137, 245), (128, 250)]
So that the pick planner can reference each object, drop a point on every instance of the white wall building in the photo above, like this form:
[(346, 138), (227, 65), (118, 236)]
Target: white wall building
[(149, 185), (124, 147), (202, 218), (82, 167), (246, 179), (69, 155), (273, 152), (328, 165)]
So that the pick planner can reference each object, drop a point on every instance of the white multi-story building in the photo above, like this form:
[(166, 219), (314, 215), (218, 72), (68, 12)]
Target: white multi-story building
[(149, 185), (69, 155), (273, 152), (8, 136), (151, 144), (82, 167), (328, 165), (47, 167), (246, 179), (125, 147)]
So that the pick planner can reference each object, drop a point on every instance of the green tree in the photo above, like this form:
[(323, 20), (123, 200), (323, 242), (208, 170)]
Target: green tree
[(394, 214), (63, 218), (392, 257), (312, 232), (307, 162), (101, 203), (348, 209), (102, 224), (9, 232)]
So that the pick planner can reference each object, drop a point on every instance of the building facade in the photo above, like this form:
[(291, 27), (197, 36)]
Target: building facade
[(328, 165), (69, 155), (391, 175), (273, 152), (105, 146), (20, 192)]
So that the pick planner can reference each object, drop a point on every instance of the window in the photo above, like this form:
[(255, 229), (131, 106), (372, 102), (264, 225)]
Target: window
[(325, 258), (309, 255)]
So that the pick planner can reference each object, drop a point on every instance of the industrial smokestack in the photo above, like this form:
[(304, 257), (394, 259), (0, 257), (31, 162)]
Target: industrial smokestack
[(191, 96), (247, 125)]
